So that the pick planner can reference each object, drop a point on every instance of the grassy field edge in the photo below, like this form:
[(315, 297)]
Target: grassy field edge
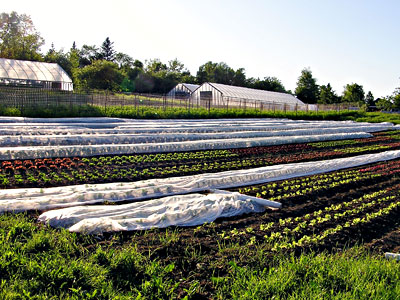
[(133, 112), (39, 262)]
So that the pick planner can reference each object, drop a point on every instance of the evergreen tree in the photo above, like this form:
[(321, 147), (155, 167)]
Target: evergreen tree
[(107, 51), (369, 99), (327, 95)]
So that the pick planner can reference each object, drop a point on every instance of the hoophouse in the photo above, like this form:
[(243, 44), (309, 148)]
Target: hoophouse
[(24, 73), (182, 91), (221, 95)]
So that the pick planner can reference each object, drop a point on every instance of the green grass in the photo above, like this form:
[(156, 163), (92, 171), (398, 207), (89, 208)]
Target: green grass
[(38, 262), (353, 274), (145, 112), (43, 263)]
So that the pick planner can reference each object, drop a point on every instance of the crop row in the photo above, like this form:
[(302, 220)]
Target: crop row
[(318, 238), (315, 227), (352, 142), (387, 168), (271, 152), (111, 168), (65, 171), (336, 212), (306, 185)]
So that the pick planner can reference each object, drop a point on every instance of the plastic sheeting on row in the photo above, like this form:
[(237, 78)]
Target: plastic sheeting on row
[(177, 126), (48, 198), (179, 210), (32, 152), (65, 130), (101, 139), (60, 120)]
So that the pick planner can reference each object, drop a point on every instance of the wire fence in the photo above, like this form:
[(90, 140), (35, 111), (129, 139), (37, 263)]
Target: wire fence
[(31, 98)]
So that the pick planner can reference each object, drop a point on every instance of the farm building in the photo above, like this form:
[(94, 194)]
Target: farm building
[(24, 73), (216, 94), (182, 90)]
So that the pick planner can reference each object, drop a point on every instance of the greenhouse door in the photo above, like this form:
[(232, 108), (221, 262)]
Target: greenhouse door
[(205, 99)]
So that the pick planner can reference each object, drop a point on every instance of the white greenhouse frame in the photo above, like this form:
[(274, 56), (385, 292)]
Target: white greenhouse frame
[(182, 91), (221, 95), (34, 74)]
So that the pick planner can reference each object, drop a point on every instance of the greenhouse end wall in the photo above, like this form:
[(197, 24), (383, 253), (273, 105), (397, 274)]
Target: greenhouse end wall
[(207, 95), (180, 91)]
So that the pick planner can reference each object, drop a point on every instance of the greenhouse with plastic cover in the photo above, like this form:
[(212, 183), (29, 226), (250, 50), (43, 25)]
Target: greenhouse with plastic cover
[(221, 95), (24, 73), (182, 91)]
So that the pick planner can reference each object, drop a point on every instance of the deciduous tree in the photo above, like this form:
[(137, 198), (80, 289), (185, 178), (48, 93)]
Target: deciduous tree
[(101, 74), (354, 93), (19, 38), (269, 83), (307, 89)]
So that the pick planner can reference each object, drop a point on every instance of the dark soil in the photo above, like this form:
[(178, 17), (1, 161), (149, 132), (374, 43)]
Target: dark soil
[(197, 252)]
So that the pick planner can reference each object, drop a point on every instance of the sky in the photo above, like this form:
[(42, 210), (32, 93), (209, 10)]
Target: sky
[(340, 41)]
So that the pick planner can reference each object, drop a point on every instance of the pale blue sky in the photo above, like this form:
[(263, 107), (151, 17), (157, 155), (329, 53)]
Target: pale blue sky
[(340, 41)]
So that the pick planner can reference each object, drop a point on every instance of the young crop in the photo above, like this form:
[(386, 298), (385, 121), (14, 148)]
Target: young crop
[(307, 185), (353, 209)]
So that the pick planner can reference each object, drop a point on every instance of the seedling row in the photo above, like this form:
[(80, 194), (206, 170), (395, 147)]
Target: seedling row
[(102, 169)]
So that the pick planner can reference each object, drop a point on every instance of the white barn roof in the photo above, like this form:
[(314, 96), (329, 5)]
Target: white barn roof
[(253, 94), (32, 70)]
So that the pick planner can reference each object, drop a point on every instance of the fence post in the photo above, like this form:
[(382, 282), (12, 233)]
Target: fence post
[(105, 104)]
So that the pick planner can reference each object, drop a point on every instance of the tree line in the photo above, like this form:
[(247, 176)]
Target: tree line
[(93, 67)]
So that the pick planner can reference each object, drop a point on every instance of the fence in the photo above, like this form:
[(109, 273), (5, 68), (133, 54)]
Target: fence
[(31, 98)]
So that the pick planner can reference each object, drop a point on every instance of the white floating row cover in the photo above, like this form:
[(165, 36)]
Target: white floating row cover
[(179, 210), (113, 137), (33, 152), (17, 200)]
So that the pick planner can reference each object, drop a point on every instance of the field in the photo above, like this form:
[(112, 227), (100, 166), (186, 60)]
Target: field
[(72, 225)]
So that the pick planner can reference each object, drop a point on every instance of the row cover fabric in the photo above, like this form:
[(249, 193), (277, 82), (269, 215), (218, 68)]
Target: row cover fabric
[(33, 152), (185, 210), (19, 200), (66, 130), (61, 120), (52, 130), (103, 139), (182, 210)]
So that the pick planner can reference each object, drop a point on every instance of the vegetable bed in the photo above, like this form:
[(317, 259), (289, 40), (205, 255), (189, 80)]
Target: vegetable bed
[(327, 239)]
